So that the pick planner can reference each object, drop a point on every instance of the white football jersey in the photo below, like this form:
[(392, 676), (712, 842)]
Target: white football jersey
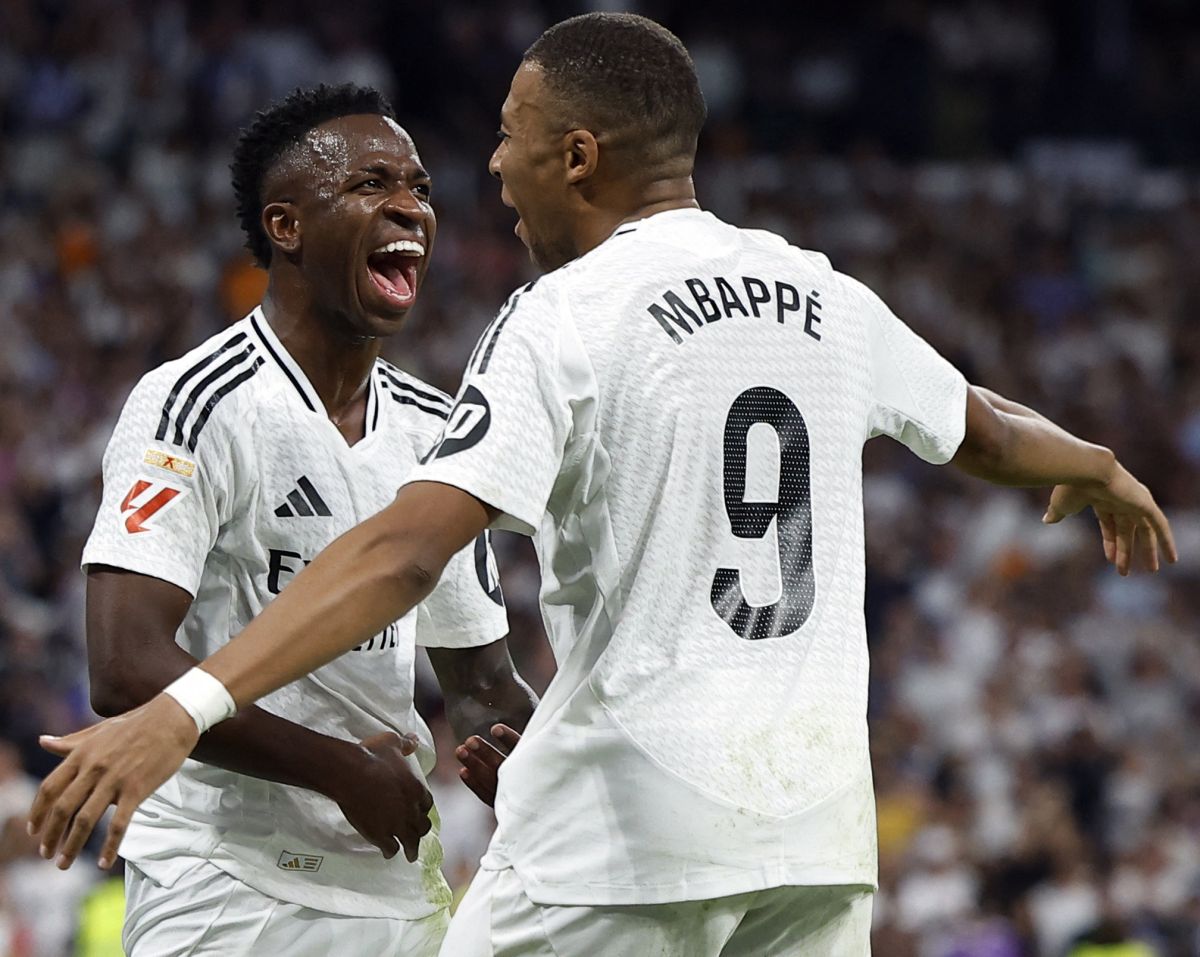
[(225, 477), (678, 417)]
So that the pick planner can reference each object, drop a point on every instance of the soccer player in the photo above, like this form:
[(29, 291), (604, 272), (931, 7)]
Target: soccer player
[(230, 468), (676, 413)]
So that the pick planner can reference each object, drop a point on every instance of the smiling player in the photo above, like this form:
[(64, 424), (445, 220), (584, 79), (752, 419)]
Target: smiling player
[(229, 470)]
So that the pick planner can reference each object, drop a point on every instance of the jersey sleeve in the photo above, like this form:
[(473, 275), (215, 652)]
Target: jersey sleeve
[(467, 607), (504, 441), (917, 397), (162, 505)]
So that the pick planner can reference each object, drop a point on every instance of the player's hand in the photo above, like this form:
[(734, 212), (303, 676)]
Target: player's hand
[(1131, 523), (119, 761), (481, 761), (385, 801)]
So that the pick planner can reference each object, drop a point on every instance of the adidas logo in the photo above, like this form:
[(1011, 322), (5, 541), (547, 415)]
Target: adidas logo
[(291, 861), (304, 500)]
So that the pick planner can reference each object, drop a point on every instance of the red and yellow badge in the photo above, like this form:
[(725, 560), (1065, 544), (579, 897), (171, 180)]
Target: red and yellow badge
[(145, 500), (172, 463)]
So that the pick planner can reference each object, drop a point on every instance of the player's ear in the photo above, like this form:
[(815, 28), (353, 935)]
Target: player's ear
[(281, 222), (581, 155)]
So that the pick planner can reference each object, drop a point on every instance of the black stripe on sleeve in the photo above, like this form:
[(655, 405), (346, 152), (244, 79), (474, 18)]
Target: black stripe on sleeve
[(500, 321), (194, 395), (487, 332), (429, 401), (217, 397), (314, 496), (176, 389), (409, 400)]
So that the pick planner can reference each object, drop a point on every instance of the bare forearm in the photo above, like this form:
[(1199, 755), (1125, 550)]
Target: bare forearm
[(253, 742), (346, 595), (365, 580), (1009, 444), (1004, 404), (509, 702), (481, 688)]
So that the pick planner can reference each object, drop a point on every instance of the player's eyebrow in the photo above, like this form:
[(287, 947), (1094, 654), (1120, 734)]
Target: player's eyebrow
[(393, 172)]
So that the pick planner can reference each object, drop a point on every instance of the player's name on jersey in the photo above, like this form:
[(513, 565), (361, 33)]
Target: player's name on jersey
[(705, 301)]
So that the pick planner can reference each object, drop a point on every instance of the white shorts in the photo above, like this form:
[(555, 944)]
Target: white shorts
[(207, 912), (496, 919)]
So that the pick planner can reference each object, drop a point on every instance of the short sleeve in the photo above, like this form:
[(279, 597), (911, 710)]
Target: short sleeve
[(505, 438), (917, 397), (467, 607), (162, 505)]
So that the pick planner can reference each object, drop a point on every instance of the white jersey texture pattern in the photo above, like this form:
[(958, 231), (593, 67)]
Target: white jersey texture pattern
[(677, 418), (224, 476)]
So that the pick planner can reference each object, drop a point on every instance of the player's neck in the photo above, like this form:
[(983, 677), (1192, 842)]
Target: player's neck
[(337, 366), (622, 207)]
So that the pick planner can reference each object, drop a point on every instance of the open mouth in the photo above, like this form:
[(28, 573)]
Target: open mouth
[(393, 269)]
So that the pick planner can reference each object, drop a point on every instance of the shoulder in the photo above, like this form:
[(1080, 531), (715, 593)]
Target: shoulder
[(205, 391), (419, 403)]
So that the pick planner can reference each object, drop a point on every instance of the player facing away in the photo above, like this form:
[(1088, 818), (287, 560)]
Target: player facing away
[(232, 467), (675, 412)]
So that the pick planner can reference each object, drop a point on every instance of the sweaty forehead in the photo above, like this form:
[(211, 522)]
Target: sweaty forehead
[(343, 144), (336, 147)]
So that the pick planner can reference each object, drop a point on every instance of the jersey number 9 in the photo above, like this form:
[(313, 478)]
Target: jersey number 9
[(792, 510)]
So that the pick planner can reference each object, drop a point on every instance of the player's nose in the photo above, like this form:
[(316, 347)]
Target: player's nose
[(404, 207)]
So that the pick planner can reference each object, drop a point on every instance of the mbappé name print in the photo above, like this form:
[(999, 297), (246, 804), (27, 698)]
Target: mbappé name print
[(704, 302)]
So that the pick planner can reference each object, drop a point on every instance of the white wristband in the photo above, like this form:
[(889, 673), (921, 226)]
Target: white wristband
[(203, 697)]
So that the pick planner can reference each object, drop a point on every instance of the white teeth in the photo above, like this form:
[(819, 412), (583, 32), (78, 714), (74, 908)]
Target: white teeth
[(406, 247)]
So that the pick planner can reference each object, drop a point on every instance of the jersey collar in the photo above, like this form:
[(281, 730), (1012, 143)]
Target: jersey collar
[(278, 355), (631, 227), (282, 359)]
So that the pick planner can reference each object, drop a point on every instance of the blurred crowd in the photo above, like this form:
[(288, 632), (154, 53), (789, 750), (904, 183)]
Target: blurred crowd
[(1017, 179)]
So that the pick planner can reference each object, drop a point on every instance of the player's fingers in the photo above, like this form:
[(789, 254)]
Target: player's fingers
[(412, 847), (1162, 530), (484, 750), (1147, 543), (53, 786), (62, 746), (1108, 532), (390, 847), (63, 810), (409, 744), (506, 735), (1126, 533), (117, 826), (480, 777), (481, 762), (82, 825)]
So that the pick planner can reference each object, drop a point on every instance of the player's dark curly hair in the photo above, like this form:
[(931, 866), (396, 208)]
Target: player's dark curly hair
[(277, 129), (630, 76)]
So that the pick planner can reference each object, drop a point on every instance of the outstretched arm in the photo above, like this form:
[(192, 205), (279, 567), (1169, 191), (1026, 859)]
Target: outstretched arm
[(1009, 444), (366, 579)]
